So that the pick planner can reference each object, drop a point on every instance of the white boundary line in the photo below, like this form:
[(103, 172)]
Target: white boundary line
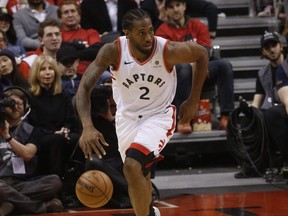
[(165, 205), (168, 205)]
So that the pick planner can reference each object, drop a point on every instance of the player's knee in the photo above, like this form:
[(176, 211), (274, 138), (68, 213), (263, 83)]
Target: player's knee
[(143, 159), (131, 169)]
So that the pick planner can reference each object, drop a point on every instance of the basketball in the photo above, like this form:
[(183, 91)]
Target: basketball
[(94, 188)]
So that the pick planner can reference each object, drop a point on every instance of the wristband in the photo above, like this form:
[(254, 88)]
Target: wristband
[(9, 139)]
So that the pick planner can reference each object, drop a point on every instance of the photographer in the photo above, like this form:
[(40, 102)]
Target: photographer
[(23, 192)]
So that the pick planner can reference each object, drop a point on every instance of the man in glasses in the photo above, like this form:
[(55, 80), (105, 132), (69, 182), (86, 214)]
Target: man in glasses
[(18, 164), (68, 61)]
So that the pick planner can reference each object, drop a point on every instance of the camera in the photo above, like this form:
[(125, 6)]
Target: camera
[(6, 102)]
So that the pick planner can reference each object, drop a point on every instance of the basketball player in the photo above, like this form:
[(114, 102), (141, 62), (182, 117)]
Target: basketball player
[(144, 84)]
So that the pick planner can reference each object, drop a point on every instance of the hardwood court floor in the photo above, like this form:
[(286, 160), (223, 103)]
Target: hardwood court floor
[(209, 190), (270, 203)]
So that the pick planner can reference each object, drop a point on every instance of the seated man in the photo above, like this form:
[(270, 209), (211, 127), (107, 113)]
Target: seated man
[(276, 117), (102, 113), (49, 36), (266, 99), (68, 62), (27, 20), (18, 141), (181, 28), (86, 41)]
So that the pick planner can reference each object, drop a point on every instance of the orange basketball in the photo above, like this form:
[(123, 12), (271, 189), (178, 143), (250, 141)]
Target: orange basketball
[(94, 188)]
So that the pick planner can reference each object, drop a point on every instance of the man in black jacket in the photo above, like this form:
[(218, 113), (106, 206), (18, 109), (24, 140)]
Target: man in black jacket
[(107, 19), (102, 114)]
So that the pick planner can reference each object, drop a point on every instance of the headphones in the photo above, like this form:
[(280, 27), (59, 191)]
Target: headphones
[(27, 99)]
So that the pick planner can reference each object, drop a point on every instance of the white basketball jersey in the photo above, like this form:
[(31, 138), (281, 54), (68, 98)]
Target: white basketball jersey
[(143, 88)]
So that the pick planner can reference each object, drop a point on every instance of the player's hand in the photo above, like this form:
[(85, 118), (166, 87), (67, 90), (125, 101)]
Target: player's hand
[(91, 141), (187, 112)]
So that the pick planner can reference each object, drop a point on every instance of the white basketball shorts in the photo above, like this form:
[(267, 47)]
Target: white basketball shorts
[(153, 132)]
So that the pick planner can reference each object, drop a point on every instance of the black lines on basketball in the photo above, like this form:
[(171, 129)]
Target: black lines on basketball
[(94, 188)]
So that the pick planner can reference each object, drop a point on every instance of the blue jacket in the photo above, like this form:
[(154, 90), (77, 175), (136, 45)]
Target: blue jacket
[(70, 86)]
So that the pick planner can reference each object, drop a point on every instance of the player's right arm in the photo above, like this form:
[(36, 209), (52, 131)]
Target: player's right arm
[(92, 140)]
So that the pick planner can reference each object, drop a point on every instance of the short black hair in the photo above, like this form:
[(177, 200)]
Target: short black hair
[(48, 22), (168, 2), (133, 14)]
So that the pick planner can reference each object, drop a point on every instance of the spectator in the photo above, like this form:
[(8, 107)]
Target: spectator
[(266, 97), (27, 20), (181, 28), (6, 25), (267, 6), (111, 163), (14, 5), (272, 50), (9, 73), (54, 113), (86, 41), (4, 45), (193, 8), (107, 20), (19, 143), (69, 15), (276, 116), (50, 39), (68, 62)]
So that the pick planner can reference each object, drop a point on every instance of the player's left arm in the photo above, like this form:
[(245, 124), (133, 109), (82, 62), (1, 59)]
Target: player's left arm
[(189, 52)]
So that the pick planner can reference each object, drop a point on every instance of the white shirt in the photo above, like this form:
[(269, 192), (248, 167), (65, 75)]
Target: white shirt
[(40, 16)]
